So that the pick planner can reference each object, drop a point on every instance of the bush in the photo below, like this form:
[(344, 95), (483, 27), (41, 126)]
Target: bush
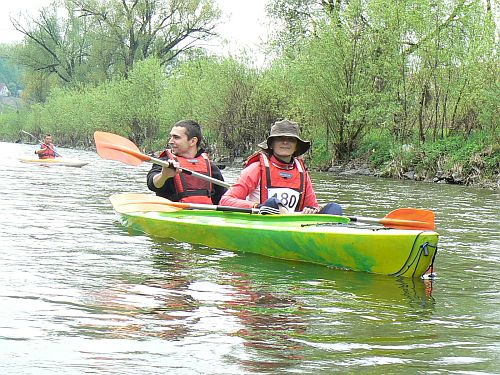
[(378, 148)]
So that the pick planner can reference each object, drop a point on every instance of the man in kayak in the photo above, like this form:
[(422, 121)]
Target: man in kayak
[(185, 151), (275, 179), (47, 149)]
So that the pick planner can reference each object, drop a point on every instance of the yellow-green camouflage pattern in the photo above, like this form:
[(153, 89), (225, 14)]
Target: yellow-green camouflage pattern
[(316, 239)]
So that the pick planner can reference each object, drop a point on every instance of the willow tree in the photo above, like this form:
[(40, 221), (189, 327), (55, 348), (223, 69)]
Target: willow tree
[(82, 41), (138, 29), (297, 21), (330, 73), (446, 58), (52, 45), (417, 68)]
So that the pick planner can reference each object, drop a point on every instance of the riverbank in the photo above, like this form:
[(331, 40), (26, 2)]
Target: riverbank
[(457, 160), (360, 167), (454, 176), (477, 172)]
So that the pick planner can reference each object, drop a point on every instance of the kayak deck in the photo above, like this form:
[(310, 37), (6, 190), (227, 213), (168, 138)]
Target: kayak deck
[(55, 161), (307, 238)]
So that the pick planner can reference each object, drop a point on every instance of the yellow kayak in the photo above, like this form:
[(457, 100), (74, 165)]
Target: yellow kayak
[(328, 240), (55, 161)]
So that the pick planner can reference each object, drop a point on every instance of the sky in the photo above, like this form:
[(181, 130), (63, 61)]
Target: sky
[(243, 25)]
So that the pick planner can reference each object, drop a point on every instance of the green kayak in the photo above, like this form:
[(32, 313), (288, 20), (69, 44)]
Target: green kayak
[(328, 240)]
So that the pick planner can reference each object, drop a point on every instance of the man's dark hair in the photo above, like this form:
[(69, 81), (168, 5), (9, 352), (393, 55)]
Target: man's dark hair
[(193, 129)]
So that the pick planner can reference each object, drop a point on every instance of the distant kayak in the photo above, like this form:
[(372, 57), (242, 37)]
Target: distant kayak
[(56, 161)]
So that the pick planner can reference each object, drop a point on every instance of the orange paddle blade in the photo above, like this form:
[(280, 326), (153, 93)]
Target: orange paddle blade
[(115, 147), (137, 202), (409, 218)]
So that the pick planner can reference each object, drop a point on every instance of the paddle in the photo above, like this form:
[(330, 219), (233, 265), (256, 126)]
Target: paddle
[(402, 218), (136, 202), (115, 147), (55, 152)]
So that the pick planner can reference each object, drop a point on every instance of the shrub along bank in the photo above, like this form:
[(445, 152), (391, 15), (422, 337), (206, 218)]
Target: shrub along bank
[(236, 106), (473, 161)]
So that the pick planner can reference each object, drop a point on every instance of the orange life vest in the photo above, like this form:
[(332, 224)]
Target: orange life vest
[(47, 154), (285, 183), (191, 189)]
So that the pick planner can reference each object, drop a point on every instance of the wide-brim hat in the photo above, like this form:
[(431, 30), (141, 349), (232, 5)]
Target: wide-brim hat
[(286, 128)]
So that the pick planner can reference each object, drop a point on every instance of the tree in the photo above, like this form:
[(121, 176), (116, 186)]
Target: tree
[(138, 29), (99, 40), (226, 97), (53, 45), (297, 21), (356, 67)]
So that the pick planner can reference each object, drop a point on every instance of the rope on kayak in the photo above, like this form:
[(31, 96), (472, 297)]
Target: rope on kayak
[(424, 247), (329, 224), (430, 270), (371, 227), (422, 250)]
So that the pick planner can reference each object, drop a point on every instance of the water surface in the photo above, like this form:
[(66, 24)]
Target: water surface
[(81, 295)]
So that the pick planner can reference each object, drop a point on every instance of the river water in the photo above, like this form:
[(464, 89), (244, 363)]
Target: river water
[(80, 295)]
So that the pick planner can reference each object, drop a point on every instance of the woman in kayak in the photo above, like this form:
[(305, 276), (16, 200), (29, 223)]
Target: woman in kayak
[(47, 149), (275, 179)]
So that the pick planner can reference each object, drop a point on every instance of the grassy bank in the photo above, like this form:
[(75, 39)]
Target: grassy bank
[(472, 160)]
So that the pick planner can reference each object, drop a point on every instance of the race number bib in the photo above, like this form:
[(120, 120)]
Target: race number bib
[(288, 197)]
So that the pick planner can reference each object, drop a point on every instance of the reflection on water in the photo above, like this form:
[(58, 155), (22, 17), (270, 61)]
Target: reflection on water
[(143, 307), (275, 306), (81, 293)]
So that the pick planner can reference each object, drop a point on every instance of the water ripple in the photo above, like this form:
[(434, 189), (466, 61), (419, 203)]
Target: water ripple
[(81, 293)]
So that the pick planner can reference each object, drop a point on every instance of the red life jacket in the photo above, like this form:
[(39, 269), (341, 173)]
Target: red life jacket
[(192, 189), (47, 154), (285, 182)]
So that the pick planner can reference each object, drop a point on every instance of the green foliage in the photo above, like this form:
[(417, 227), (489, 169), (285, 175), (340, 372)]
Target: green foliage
[(405, 86), (129, 107), (11, 123), (10, 74), (321, 158), (455, 150), (456, 158), (230, 100), (377, 148), (297, 20), (488, 116), (140, 99)]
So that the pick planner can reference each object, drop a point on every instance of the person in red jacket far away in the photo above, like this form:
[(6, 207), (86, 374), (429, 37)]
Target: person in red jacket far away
[(47, 149)]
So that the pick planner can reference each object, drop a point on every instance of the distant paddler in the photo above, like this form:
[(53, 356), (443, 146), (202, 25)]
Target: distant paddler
[(47, 149)]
